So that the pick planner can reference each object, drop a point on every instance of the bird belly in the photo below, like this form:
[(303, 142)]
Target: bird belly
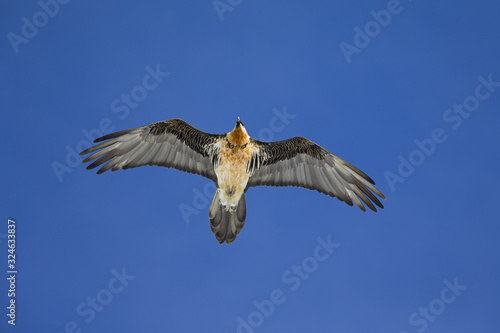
[(232, 176)]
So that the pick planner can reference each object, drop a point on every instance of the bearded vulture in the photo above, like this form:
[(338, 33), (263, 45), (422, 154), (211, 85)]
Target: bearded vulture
[(235, 162)]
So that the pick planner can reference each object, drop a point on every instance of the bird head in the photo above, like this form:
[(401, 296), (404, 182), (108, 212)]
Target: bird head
[(238, 136), (239, 123)]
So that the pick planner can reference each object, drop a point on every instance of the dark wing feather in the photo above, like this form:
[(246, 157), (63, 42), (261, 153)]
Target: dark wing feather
[(172, 144), (302, 163)]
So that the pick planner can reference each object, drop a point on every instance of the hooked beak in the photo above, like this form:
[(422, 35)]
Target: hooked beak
[(238, 122)]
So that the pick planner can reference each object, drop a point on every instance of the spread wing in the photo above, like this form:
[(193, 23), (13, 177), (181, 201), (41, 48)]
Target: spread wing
[(172, 144), (302, 163)]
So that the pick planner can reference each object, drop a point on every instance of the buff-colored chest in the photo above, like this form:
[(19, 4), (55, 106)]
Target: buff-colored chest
[(232, 176)]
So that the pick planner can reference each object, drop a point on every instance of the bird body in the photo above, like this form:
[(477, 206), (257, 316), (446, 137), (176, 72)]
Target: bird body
[(234, 155), (235, 162), (227, 212)]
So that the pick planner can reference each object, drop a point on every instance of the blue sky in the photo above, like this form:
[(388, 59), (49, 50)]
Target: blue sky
[(407, 91)]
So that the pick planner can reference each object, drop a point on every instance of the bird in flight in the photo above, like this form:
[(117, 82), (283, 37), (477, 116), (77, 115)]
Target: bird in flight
[(235, 162)]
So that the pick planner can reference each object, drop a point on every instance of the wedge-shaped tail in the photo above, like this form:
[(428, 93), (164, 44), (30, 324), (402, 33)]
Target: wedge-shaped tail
[(225, 223)]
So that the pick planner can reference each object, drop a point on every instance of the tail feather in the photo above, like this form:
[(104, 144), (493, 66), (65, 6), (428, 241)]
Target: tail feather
[(225, 224)]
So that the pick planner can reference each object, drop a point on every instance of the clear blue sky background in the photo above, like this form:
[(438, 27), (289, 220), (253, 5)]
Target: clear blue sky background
[(74, 230)]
